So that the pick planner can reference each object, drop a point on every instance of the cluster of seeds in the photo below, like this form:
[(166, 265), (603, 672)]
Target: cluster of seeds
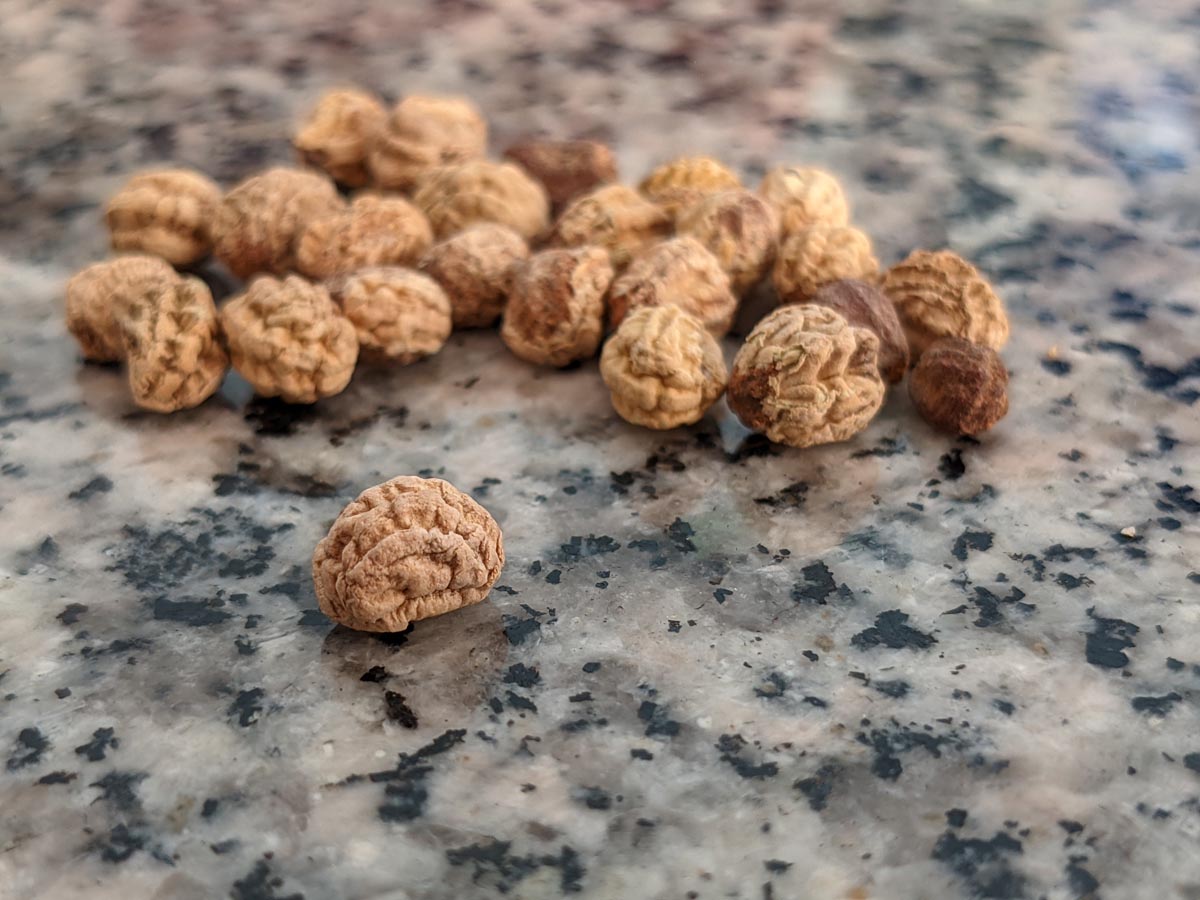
[(427, 235)]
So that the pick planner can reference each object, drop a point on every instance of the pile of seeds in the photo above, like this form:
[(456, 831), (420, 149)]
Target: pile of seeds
[(428, 235)]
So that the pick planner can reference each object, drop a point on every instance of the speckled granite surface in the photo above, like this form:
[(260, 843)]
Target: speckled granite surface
[(902, 667)]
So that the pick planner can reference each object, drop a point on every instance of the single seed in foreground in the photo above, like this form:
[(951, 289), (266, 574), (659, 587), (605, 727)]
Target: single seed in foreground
[(408, 549)]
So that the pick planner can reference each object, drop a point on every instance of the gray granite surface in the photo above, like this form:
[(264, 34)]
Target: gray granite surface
[(901, 667)]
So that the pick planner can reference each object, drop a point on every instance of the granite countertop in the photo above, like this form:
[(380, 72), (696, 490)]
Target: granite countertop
[(899, 667)]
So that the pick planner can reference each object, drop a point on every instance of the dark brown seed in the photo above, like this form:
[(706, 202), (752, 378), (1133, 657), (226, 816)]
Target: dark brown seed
[(959, 387), (866, 306), (566, 169)]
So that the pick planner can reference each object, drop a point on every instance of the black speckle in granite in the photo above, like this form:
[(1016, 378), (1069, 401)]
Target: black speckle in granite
[(1059, 553), (59, 777), (40, 415), (1156, 706), (209, 808), (887, 552), (494, 865), (95, 749), (98, 485), (120, 790), (581, 697), (891, 630), (191, 612), (593, 797), (722, 594), (247, 707), (658, 720), (674, 626), (984, 865), (71, 613), (731, 747), (754, 445), (314, 618), (1004, 706), (30, 745), (885, 447), (554, 576), (580, 547), (220, 848), (48, 551), (273, 417), (1070, 826), (62, 693), (1169, 523), (1081, 881), (620, 481), (978, 200), (1175, 665), (1070, 582), (590, 667), (774, 685), (1058, 367), (874, 26), (522, 675), (1192, 761), (990, 608), (818, 787), (681, 533), (896, 688), (889, 744), (790, 497), (639, 753), (120, 844), (817, 585), (260, 884), (245, 646), (1155, 378), (1177, 498), (956, 818), (516, 701), (155, 562), (518, 630), (971, 540), (398, 710)]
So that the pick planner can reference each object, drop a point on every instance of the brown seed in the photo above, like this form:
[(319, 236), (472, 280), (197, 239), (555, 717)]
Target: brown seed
[(164, 212), (423, 133), (811, 258), (739, 229), (399, 316), (407, 549), (942, 295), (372, 231), (682, 182), (806, 376), (555, 312), (566, 169), (455, 197), (615, 217), (866, 306), (959, 387), (663, 368), (679, 272), (803, 197), (474, 268), (174, 347), (288, 339), (339, 133), (98, 297), (260, 220)]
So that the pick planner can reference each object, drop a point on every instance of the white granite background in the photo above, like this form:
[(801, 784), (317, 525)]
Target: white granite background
[(696, 680)]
